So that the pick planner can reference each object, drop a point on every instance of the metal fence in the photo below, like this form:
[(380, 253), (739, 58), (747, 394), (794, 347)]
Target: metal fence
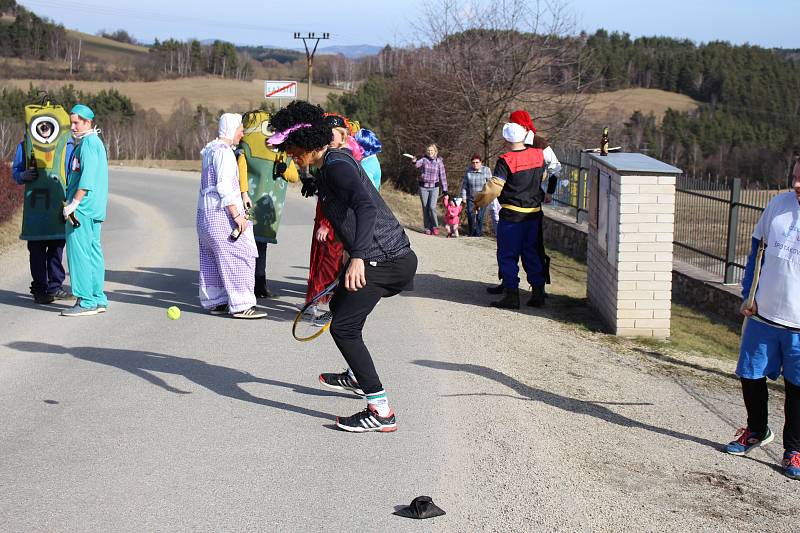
[(714, 222), (714, 219), (571, 194)]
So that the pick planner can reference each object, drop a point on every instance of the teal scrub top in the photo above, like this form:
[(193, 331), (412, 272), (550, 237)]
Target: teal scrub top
[(89, 171), (373, 169)]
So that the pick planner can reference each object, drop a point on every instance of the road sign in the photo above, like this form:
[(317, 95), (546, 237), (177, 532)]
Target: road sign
[(280, 89)]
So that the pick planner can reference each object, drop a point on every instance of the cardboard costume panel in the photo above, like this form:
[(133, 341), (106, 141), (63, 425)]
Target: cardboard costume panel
[(45, 148), (267, 193)]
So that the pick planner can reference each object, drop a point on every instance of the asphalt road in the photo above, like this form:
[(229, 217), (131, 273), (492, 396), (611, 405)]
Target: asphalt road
[(129, 421)]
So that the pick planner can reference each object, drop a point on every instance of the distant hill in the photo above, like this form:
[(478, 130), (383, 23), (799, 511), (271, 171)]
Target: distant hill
[(287, 55), (354, 51), (107, 49), (646, 101), (164, 96)]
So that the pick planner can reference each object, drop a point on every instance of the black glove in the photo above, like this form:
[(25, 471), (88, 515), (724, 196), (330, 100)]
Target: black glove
[(278, 170), (309, 186)]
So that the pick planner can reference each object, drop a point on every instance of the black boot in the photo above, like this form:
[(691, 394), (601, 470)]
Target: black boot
[(495, 289), (537, 297), (510, 300), (261, 289)]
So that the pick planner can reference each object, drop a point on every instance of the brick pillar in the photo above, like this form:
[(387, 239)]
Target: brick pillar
[(629, 256)]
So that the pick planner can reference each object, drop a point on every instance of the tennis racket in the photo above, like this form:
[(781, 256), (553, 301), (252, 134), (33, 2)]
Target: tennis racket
[(751, 296), (314, 318)]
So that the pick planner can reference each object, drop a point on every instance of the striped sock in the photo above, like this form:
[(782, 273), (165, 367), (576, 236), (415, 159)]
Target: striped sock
[(380, 402)]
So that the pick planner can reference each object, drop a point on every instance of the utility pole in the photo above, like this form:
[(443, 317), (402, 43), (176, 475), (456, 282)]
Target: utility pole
[(310, 55)]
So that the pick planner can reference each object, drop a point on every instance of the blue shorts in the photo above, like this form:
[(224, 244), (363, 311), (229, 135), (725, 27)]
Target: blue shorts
[(769, 351)]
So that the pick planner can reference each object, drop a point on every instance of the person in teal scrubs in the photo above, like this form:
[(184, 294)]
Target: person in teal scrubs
[(87, 196)]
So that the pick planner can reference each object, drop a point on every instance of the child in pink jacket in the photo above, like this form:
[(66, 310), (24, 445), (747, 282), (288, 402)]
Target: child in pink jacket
[(451, 216)]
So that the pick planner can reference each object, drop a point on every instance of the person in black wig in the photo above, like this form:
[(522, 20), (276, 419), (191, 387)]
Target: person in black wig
[(379, 260)]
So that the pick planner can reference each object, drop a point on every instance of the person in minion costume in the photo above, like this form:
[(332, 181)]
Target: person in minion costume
[(264, 175), (87, 197), (41, 164)]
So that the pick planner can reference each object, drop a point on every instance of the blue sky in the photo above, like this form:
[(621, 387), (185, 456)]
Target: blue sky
[(770, 23)]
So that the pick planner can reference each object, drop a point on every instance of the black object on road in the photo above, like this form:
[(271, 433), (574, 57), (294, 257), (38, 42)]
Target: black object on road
[(421, 507)]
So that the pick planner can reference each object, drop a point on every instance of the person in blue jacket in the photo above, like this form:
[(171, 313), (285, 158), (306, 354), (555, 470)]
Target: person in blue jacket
[(369, 162), (87, 196), (45, 248)]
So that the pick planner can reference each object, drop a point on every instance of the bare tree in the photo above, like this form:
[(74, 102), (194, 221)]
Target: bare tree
[(486, 59)]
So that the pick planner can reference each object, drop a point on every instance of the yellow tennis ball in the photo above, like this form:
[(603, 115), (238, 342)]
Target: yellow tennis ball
[(174, 313)]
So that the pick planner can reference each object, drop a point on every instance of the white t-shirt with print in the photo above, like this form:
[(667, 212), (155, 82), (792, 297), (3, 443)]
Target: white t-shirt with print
[(778, 292)]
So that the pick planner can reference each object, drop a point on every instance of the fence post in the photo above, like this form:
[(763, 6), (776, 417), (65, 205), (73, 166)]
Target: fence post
[(579, 199), (733, 226)]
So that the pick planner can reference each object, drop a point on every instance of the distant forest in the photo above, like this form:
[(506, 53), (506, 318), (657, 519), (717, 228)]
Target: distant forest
[(749, 123)]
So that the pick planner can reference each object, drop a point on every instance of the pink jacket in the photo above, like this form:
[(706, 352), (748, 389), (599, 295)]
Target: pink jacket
[(451, 213)]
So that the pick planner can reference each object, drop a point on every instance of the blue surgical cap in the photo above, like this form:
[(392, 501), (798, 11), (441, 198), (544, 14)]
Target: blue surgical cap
[(82, 111)]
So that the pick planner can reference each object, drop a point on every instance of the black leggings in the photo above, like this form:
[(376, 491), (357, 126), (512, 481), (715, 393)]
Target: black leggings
[(350, 311), (755, 396)]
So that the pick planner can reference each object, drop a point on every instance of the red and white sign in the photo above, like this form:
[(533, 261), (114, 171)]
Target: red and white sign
[(280, 89)]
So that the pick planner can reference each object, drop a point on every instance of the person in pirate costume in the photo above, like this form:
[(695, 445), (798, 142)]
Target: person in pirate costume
[(516, 183), (553, 169), (380, 260), (41, 163), (264, 175)]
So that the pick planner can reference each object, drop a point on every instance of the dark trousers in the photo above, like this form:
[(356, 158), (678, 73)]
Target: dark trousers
[(754, 392), (350, 311), (475, 220), (47, 268), (261, 260), (517, 240)]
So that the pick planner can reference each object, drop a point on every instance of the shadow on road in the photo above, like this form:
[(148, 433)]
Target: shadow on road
[(562, 402), (219, 379), (559, 307), (163, 287), (19, 299)]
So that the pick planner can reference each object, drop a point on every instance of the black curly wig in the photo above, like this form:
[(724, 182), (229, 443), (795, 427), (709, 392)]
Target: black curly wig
[(315, 137)]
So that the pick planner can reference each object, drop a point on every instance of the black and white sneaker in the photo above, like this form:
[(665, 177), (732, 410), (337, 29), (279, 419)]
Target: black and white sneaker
[(341, 381), (323, 318), (367, 420)]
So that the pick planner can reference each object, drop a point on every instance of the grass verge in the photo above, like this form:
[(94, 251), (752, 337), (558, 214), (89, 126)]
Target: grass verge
[(9, 231)]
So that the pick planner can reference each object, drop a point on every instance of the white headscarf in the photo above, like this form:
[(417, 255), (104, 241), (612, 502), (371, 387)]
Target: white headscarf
[(514, 133), (228, 124)]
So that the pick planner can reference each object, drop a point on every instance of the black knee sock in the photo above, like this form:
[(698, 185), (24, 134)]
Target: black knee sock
[(791, 429), (754, 392)]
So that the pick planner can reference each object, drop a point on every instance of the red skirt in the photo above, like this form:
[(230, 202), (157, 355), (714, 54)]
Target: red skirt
[(326, 257)]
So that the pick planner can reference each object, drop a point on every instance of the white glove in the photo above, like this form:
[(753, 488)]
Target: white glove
[(70, 208)]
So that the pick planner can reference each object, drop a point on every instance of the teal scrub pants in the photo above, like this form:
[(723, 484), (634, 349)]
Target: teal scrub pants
[(87, 269)]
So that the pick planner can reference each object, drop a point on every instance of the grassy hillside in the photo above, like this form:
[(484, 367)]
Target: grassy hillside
[(164, 95), (107, 49), (626, 101)]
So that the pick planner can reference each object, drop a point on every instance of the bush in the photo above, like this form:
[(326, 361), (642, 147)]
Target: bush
[(11, 193)]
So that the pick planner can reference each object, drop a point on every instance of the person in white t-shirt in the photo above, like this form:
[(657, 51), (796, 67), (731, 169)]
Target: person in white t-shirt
[(771, 338)]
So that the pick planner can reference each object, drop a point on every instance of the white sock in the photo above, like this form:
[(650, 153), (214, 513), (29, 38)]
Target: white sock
[(380, 402), (352, 376)]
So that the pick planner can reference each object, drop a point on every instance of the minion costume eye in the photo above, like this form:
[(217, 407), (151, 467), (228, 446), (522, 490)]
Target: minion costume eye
[(45, 129)]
